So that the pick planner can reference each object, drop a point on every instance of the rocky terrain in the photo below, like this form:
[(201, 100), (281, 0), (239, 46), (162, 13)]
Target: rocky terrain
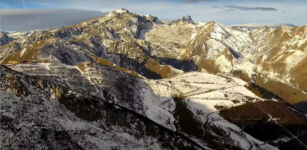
[(127, 81)]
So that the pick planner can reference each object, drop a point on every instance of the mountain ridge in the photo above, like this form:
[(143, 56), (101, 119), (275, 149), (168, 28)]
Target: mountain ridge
[(171, 73), (209, 46)]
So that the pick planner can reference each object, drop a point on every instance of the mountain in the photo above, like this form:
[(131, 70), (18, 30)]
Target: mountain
[(127, 81)]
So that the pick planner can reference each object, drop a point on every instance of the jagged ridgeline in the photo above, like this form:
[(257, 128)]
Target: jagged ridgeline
[(128, 81)]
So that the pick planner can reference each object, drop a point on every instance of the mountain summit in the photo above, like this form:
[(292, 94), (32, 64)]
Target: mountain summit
[(128, 81)]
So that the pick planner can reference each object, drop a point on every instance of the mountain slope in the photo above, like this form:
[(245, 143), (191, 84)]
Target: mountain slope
[(178, 79), (79, 101), (46, 115)]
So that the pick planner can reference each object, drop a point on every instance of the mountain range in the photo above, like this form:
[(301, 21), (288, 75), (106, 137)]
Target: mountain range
[(128, 81)]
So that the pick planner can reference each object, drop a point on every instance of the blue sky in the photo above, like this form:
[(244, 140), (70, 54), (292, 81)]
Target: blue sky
[(227, 12)]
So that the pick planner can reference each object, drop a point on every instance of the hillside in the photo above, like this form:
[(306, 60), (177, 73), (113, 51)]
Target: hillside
[(134, 81)]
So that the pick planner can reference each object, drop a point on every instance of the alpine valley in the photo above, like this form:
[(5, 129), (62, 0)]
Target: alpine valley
[(128, 81)]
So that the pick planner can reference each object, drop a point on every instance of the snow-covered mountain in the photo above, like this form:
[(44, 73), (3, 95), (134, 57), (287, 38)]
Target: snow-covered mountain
[(127, 81)]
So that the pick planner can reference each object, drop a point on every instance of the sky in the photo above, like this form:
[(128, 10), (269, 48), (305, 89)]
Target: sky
[(228, 12)]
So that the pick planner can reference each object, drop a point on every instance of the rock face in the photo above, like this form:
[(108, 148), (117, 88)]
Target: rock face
[(46, 115), (126, 81), (4, 38)]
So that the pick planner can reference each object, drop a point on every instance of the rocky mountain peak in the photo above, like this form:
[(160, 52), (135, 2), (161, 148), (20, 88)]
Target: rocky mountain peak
[(122, 10), (185, 19), (121, 13), (4, 38)]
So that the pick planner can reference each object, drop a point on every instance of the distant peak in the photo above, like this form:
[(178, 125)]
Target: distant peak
[(187, 18), (119, 12), (122, 10)]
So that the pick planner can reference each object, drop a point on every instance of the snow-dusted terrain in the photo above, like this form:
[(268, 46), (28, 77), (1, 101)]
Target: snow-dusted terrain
[(126, 81)]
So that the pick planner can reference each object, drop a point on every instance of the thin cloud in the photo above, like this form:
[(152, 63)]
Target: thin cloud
[(196, 1), (200, 10), (4, 6), (26, 20), (245, 8), (23, 3)]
